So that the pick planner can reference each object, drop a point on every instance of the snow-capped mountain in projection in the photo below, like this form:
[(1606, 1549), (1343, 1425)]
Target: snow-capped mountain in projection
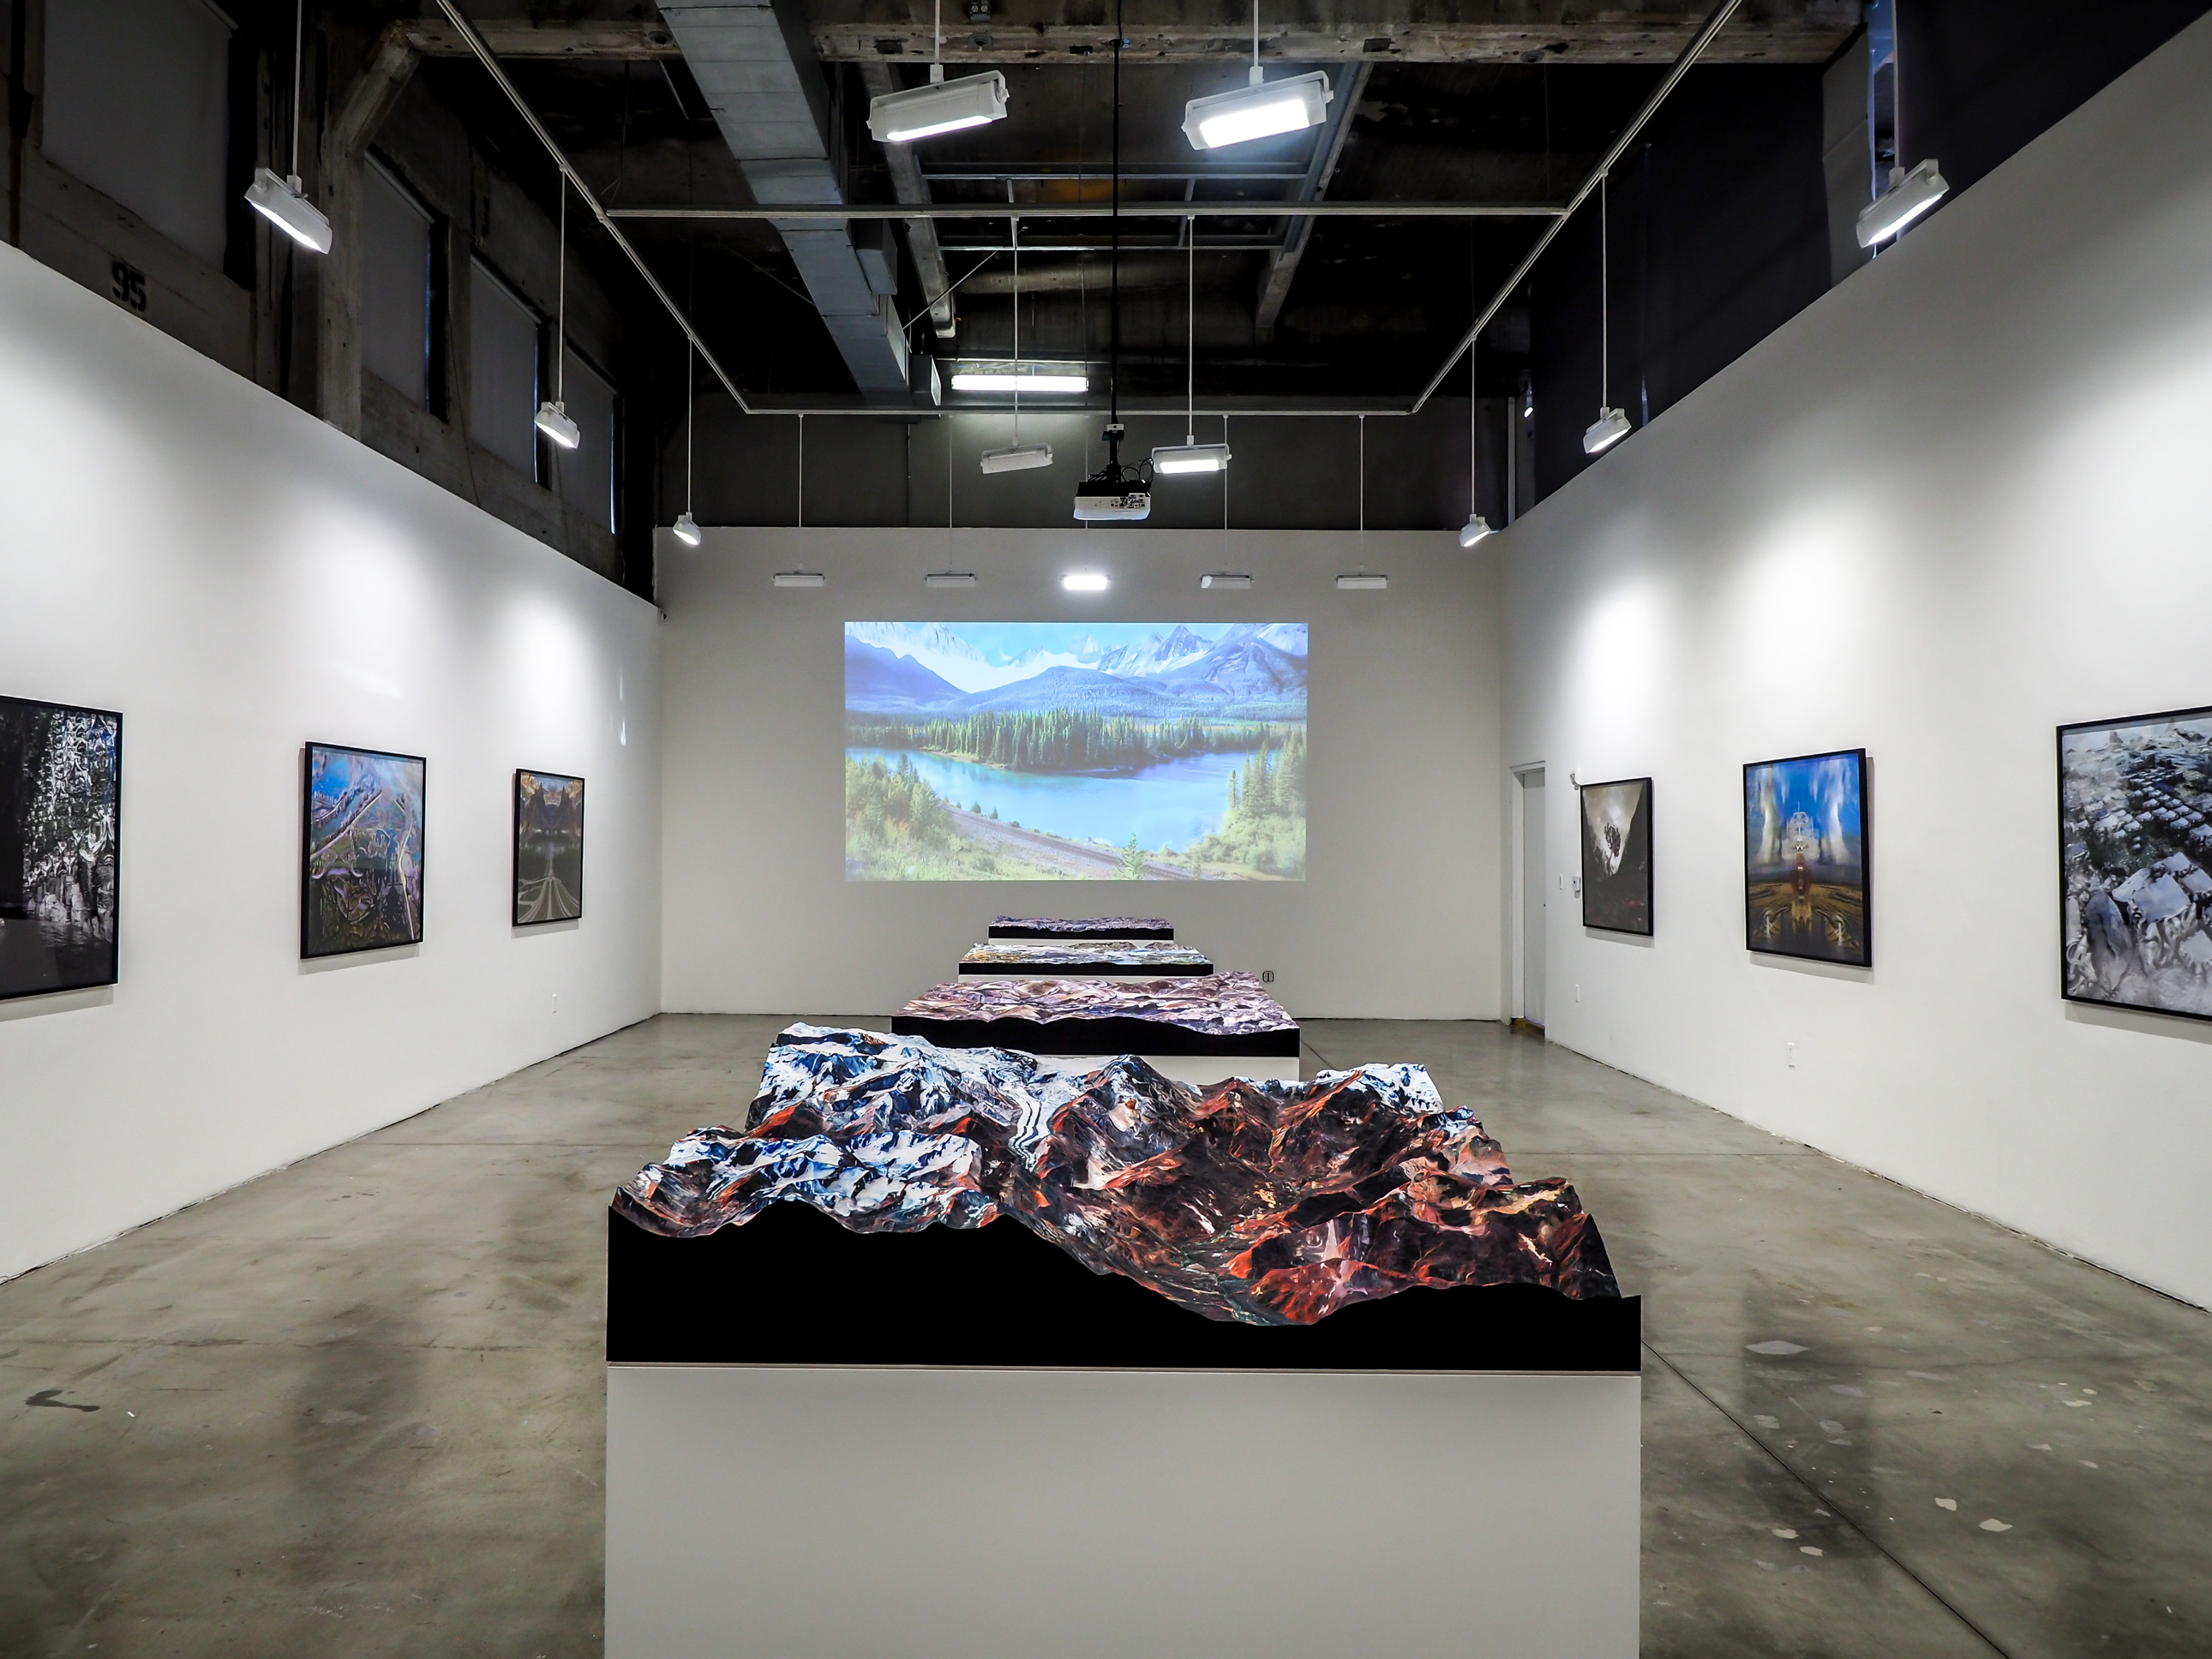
[(1247, 669)]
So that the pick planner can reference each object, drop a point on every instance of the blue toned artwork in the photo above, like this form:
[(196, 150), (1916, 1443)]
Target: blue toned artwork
[(361, 877), (1026, 751), (1805, 876)]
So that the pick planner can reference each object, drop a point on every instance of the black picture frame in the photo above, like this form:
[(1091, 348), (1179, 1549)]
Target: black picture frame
[(68, 966), (1625, 893), (2131, 942), (554, 899), (314, 945), (1832, 911)]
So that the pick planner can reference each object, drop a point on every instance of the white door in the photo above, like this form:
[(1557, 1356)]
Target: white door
[(1535, 890)]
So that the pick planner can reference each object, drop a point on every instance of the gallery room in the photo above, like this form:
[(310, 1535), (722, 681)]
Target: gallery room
[(855, 828)]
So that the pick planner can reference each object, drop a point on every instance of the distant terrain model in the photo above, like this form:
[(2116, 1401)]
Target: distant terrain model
[(2134, 841), (361, 878), (1216, 1005), (1081, 927), (1109, 751), (1262, 1202), (548, 848), (1805, 858), (61, 778), (1126, 956)]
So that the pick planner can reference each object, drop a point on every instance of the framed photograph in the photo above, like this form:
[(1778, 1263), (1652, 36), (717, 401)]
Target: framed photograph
[(360, 850), (2135, 862), (1617, 855), (61, 836), (548, 848), (1805, 870)]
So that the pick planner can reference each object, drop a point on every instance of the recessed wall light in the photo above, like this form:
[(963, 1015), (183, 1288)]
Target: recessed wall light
[(801, 579), (949, 578), (1226, 579), (1084, 581), (1362, 584)]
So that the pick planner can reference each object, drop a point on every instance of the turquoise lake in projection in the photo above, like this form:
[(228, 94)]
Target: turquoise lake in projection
[(1168, 805)]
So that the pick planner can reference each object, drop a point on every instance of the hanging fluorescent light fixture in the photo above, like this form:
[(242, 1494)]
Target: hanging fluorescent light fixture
[(1016, 457), (553, 414), (1611, 424), (1018, 381), (801, 578), (1362, 584), (1235, 579), (1086, 581), (687, 527), (1477, 528), (284, 201), (1608, 429), (1019, 458), (942, 106), (1190, 455), (1261, 108), (1909, 196), (950, 578)]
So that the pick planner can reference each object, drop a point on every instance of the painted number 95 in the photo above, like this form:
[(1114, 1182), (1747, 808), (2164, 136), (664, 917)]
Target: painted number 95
[(129, 285)]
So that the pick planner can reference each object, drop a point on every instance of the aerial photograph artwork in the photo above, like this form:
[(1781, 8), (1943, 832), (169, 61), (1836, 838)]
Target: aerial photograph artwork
[(2134, 842), (361, 886), (1105, 751), (548, 848)]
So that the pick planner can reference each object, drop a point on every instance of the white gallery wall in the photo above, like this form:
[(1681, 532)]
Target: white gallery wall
[(1398, 915), (238, 578), (1961, 500)]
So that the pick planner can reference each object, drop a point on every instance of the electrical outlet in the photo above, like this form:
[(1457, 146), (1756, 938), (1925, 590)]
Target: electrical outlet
[(1578, 885), (1266, 976)]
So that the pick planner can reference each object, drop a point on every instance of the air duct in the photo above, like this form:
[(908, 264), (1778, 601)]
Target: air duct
[(757, 66)]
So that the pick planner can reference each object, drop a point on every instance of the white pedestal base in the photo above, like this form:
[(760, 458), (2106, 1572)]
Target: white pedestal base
[(869, 1513)]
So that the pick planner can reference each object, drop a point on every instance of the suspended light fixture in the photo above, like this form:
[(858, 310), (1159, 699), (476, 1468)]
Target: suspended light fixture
[(1611, 424), (1086, 581), (1909, 196), (553, 414), (942, 106), (1116, 492), (687, 527), (1232, 580), (1018, 457), (1476, 527), (1007, 379), (1259, 109), (1190, 455), (284, 201)]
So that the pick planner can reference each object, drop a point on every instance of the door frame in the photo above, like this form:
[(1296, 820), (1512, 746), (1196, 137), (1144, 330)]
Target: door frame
[(1517, 909)]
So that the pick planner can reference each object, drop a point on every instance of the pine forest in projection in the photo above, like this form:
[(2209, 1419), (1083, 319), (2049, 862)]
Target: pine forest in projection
[(1041, 751)]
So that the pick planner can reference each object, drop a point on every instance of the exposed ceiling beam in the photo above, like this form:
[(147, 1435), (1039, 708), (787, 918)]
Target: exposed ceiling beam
[(1349, 81), (1103, 211), (614, 39), (1341, 31), (908, 184)]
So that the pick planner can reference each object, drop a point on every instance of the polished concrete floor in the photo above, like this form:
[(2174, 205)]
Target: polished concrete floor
[(355, 1407)]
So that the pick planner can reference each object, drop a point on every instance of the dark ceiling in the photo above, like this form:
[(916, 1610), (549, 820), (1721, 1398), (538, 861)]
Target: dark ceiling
[(1369, 310)]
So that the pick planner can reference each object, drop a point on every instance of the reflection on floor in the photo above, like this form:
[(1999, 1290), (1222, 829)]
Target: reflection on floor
[(355, 1407)]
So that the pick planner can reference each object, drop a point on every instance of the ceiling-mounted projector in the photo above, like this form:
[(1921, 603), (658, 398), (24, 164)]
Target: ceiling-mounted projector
[(1114, 491)]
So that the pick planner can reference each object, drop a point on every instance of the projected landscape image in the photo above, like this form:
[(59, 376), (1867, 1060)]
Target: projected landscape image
[(1103, 751), (1804, 858)]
